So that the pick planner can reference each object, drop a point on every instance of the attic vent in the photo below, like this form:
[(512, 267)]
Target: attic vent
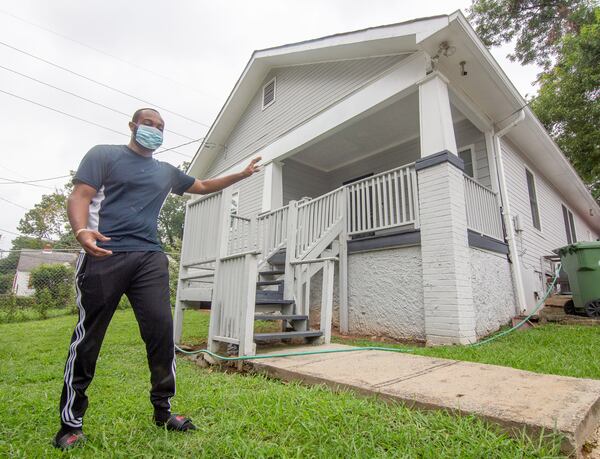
[(268, 93)]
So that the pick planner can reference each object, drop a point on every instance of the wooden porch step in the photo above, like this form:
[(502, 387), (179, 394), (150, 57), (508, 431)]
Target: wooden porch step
[(270, 282), (277, 258), (280, 317), (274, 301), (275, 272), (287, 335)]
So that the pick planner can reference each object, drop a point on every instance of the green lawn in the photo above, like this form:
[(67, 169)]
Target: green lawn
[(242, 415), (553, 349)]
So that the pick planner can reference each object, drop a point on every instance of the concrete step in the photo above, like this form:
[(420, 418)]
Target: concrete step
[(280, 317), (287, 335)]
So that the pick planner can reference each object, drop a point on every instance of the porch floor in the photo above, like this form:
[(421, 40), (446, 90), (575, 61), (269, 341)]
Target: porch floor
[(512, 399)]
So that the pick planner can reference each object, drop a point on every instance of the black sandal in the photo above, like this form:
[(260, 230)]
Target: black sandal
[(178, 423), (70, 439)]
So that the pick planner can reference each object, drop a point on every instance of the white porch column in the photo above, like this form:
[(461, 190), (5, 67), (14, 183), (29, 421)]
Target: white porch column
[(447, 290), (272, 197)]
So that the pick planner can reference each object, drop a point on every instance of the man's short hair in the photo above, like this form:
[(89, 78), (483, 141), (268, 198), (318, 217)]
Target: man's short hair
[(138, 113)]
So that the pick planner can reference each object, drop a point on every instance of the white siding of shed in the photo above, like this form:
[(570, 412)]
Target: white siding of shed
[(532, 243), (302, 92)]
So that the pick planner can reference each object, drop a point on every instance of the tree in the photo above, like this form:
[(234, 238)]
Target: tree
[(171, 219), (568, 103), (536, 26), (564, 37), (48, 218)]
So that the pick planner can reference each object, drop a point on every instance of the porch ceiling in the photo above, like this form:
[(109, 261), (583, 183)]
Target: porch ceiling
[(384, 129)]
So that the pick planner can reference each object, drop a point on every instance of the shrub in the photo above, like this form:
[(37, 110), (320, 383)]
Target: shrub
[(8, 308), (57, 279), (44, 302), (6, 282)]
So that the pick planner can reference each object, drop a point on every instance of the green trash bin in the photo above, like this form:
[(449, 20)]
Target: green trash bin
[(581, 262)]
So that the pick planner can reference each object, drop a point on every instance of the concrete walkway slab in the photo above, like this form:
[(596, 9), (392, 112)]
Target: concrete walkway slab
[(512, 399)]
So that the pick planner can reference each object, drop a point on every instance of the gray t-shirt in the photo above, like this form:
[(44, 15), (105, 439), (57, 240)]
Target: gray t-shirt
[(131, 191)]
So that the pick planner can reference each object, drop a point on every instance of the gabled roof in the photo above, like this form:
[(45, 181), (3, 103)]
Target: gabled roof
[(487, 86), (31, 259), (374, 41)]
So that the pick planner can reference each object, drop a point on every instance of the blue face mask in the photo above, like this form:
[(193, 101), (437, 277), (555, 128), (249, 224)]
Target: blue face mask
[(148, 137)]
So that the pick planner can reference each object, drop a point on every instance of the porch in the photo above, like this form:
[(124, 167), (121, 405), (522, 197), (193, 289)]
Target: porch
[(264, 266)]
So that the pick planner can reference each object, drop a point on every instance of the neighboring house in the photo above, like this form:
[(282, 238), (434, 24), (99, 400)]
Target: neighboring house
[(31, 259), (402, 158)]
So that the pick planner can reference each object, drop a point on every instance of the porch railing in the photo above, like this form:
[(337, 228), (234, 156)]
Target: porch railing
[(383, 201), (199, 234), (483, 212), (317, 217), (241, 235), (271, 232), (232, 311)]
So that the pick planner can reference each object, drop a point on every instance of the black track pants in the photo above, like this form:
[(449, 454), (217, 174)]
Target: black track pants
[(101, 282)]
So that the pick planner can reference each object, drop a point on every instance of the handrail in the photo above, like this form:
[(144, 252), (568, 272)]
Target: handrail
[(314, 260), (239, 255), (323, 196), (239, 217), (483, 212), (199, 198), (371, 177)]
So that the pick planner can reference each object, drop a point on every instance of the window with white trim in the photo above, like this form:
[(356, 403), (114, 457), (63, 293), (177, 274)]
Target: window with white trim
[(467, 154), (533, 201), (268, 93), (569, 225)]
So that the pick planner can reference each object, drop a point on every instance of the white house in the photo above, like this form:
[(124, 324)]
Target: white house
[(30, 259), (400, 161)]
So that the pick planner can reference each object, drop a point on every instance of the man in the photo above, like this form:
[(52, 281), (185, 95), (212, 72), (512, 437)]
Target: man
[(113, 210)]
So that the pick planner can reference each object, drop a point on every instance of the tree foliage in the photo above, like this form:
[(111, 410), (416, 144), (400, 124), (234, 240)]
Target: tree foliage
[(53, 284), (568, 103), (536, 26), (171, 219), (48, 218)]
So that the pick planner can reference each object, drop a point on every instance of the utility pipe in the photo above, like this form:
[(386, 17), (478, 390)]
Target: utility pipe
[(506, 215)]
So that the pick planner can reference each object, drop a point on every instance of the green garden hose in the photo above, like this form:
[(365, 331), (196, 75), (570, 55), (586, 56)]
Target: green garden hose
[(374, 348)]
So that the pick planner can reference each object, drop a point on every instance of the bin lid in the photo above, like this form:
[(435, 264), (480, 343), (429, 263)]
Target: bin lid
[(578, 246)]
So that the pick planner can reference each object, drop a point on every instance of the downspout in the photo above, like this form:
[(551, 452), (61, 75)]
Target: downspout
[(506, 215)]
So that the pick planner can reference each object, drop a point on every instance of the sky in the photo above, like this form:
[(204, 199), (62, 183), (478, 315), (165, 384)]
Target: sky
[(183, 57)]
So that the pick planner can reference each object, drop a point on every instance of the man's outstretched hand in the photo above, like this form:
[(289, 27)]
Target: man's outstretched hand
[(252, 167), (88, 239)]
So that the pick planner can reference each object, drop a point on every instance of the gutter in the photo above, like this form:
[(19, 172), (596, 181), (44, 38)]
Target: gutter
[(516, 272)]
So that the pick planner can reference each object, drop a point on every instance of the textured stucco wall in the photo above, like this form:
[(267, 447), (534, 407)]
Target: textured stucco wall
[(493, 294), (385, 294)]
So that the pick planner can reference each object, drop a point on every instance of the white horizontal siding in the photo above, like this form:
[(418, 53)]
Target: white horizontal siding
[(302, 92), (251, 190), (300, 180), (397, 156), (532, 243), (467, 134)]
